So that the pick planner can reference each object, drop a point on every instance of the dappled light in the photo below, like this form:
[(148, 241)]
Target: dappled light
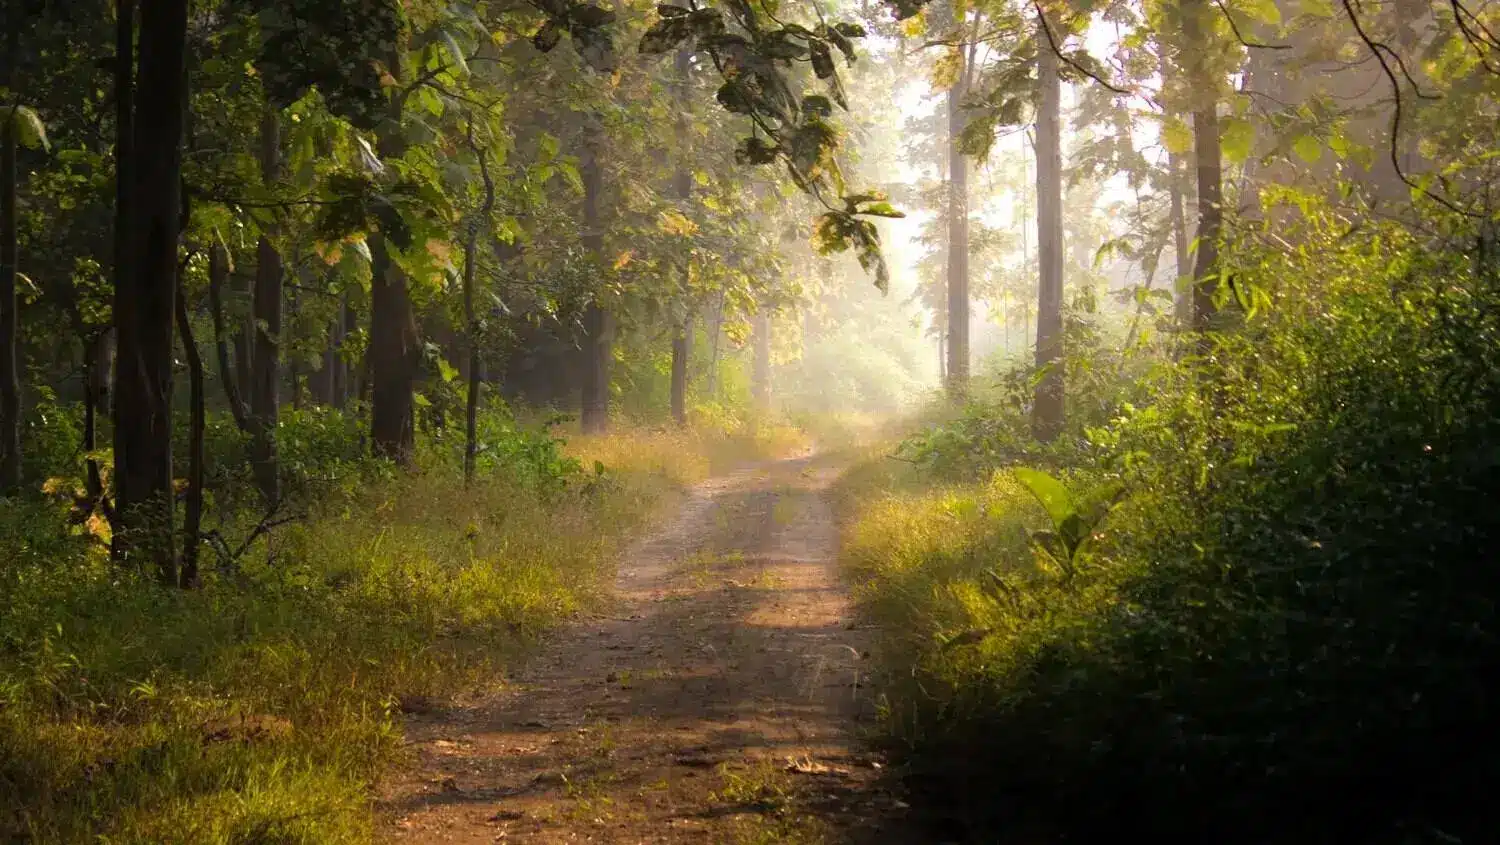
[(748, 421)]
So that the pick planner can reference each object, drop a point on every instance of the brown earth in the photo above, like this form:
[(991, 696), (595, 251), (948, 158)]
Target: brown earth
[(720, 700)]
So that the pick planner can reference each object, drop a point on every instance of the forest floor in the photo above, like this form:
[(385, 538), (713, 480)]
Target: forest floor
[(720, 700)]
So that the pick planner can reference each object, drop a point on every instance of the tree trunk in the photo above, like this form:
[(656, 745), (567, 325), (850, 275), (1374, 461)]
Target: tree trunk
[(597, 325), (760, 381), (713, 349), (1182, 298), (10, 378), (218, 271), (682, 331), (1047, 410), (144, 304), (393, 356), (394, 349), (682, 343), (958, 245), (344, 379), (269, 273), (1206, 152), (192, 520), (96, 397), (472, 327)]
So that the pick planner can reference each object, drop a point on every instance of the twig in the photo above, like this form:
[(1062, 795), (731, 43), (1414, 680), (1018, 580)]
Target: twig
[(1052, 42)]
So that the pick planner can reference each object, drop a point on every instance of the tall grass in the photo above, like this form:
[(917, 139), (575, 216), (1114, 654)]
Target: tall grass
[(263, 707)]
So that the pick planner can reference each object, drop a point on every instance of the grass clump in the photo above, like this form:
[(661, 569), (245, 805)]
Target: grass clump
[(1283, 633), (264, 706)]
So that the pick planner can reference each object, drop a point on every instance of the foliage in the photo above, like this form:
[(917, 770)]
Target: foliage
[(1278, 633)]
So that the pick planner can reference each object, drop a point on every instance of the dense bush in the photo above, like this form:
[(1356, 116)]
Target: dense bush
[(1286, 632)]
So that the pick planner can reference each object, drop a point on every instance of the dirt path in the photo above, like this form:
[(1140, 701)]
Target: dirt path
[(718, 703)]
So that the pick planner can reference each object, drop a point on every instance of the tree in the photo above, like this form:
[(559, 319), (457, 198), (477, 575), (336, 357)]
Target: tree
[(597, 323), (146, 289), (10, 381), (266, 321), (958, 219), (1204, 83), (1047, 413)]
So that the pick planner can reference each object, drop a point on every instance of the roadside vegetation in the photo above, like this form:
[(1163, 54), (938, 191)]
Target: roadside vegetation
[(263, 706), (1245, 596)]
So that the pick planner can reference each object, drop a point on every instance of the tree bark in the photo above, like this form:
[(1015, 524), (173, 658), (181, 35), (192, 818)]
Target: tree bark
[(192, 520), (10, 378), (597, 324), (713, 348), (682, 331), (144, 304), (394, 349), (958, 243), (218, 271), (760, 377), (96, 397), (269, 274), (1047, 410), (682, 343), (472, 327), (1206, 152), (1182, 298)]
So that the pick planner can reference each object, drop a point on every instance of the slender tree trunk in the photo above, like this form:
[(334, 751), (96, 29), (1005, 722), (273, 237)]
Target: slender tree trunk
[(96, 397), (1182, 298), (1206, 153), (394, 348), (957, 376), (682, 331), (264, 387), (343, 386), (682, 342), (192, 520), (597, 325), (10, 377), (761, 371), (713, 348), (218, 272), (1047, 410), (472, 328), (144, 304)]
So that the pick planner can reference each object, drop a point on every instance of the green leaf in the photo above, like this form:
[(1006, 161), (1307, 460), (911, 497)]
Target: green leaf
[(1055, 498), (1308, 148), (446, 370), (665, 35), (30, 131), (1236, 140), (882, 209), (1176, 136), (1260, 11), (455, 53)]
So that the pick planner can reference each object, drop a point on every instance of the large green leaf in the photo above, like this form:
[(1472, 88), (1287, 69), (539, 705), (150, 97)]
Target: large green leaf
[(1055, 498), (1236, 139), (30, 131)]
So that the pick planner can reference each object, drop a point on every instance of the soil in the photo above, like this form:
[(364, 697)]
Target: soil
[(720, 700)]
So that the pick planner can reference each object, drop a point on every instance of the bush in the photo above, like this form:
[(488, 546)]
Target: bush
[(1286, 632)]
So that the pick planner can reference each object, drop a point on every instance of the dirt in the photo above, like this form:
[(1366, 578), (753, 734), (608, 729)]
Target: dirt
[(720, 700)]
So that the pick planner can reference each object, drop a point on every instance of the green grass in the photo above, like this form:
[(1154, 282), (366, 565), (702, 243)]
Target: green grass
[(262, 708)]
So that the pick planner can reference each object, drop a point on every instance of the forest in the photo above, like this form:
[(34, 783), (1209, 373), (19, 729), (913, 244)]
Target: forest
[(749, 421)]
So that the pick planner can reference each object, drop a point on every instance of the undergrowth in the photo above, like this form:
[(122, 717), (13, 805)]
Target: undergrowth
[(1284, 632), (262, 708)]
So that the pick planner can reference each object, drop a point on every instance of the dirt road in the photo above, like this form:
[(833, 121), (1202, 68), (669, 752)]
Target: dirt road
[(719, 702)]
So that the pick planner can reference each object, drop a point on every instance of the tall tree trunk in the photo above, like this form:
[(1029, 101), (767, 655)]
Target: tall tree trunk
[(715, 334), (597, 325), (682, 342), (192, 519), (394, 348), (10, 378), (682, 331), (218, 272), (760, 380), (96, 398), (269, 274), (344, 384), (1047, 410), (1206, 153), (144, 304), (1182, 298), (958, 243), (472, 329)]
